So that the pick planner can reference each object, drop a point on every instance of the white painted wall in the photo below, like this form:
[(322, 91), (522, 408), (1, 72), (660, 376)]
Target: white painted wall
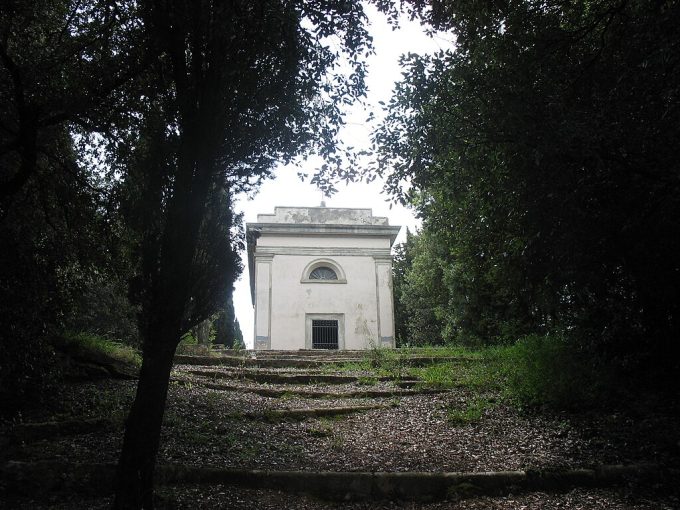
[(284, 299), (291, 300)]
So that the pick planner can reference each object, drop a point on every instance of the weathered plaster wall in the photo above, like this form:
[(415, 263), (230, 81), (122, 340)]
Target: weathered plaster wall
[(355, 300), (287, 242)]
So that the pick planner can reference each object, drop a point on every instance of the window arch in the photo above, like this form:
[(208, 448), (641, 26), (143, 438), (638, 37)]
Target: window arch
[(323, 271)]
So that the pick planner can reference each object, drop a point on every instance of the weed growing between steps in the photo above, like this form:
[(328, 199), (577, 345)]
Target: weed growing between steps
[(535, 371), (485, 374), (471, 413), (367, 381)]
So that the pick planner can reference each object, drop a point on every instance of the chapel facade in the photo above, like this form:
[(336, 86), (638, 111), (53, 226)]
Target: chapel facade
[(321, 278)]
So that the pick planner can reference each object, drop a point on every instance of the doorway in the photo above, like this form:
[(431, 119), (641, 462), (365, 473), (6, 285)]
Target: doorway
[(325, 331), (325, 334)]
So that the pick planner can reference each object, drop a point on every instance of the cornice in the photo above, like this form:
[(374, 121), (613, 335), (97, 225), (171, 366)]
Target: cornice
[(294, 229), (265, 251)]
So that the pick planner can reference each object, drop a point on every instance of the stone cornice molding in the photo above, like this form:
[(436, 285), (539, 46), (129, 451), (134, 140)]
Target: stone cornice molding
[(264, 251), (292, 229)]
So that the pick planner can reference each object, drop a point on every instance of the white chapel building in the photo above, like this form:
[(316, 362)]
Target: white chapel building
[(321, 278)]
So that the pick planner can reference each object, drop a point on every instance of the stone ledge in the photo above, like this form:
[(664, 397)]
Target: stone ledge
[(47, 476), (277, 393)]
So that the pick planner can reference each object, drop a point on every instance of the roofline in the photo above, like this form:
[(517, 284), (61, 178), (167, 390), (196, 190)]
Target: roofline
[(325, 229)]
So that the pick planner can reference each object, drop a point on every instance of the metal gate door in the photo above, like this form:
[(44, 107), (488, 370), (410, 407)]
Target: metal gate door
[(324, 334)]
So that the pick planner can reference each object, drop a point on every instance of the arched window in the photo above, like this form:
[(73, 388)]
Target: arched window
[(323, 273)]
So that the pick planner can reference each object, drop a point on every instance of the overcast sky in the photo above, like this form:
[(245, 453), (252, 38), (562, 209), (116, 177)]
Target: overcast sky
[(287, 189)]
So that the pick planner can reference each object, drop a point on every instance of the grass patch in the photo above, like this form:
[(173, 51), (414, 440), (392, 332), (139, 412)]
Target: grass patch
[(385, 362), (436, 351), (103, 402), (196, 437), (247, 452), (213, 399), (488, 374), (320, 432), (485, 373), (439, 375), (536, 370), (367, 381), (472, 413), (94, 343)]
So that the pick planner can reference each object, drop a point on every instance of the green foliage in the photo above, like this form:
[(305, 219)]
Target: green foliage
[(546, 370), (537, 370), (472, 413), (94, 343), (58, 233), (437, 375), (420, 297), (188, 339), (102, 308), (238, 344), (122, 167), (227, 329), (367, 381), (438, 351), (386, 362), (402, 259), (541, 156), (189, 345), (481, 370)]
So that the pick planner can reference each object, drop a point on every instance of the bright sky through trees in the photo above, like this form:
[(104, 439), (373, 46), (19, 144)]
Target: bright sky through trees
[(287, 189)]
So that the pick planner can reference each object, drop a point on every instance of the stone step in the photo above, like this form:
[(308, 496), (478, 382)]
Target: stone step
[(326, 353), (240, 361), (313, 394), (275, 378), (28, 432), (237, 361), (275, 415), (47, 476), (332, 353)]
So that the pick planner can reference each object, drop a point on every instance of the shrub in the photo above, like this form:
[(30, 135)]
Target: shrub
[(189, 345), (547, 369), (117, 350)]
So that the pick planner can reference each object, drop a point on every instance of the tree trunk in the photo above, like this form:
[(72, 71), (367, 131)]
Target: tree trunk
[(134, 482), (203, 332)]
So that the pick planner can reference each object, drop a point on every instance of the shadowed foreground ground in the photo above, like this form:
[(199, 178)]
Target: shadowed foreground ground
[(344, 417)]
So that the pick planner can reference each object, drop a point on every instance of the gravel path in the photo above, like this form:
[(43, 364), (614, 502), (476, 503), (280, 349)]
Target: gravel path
[(207, 427)]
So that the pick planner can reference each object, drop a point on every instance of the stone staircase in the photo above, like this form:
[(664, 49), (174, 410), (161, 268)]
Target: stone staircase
[(319, 423)]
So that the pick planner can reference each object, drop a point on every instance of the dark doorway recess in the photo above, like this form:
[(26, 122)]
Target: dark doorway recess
[(324, 334)]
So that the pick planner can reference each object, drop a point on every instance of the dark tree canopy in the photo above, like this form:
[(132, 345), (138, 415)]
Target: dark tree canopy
[(63, 66), (541, 153), (126, 129), (236, 87), (227, 329)]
